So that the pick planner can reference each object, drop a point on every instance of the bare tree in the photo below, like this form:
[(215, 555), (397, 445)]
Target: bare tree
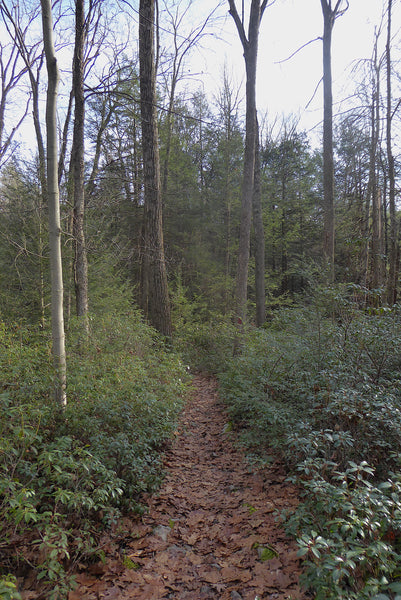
[(329, 16), (155, 299), (56, 270), (11, 72), (250, 47), (18, 21), (182, 46)]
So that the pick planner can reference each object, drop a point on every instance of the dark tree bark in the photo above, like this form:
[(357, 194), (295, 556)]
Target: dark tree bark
[(260, 289), (78, 166), (155, 300), (250, 46), (329, 16)]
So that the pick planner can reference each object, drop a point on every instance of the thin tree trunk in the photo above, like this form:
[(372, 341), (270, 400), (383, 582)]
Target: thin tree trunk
[(328, 162), (168, 140), (259, 239), (80, 257), (373, 189), (329, 17), (250, 46), (393, 246), (64, 138), (57, 315), (155, 299)]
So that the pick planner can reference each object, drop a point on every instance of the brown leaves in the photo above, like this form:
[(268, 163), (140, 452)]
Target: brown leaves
[(202, 532)]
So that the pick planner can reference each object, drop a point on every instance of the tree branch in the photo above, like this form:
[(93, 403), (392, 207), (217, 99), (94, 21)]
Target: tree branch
[(240, 27), (278, 62)]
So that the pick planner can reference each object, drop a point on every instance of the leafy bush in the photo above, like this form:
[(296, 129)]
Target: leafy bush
[(321, 383), (47, 488), (346, 528), (125, 398), (65, 476)]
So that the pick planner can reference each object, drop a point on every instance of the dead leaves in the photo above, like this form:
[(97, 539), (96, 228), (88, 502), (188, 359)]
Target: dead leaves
[(201, 536)]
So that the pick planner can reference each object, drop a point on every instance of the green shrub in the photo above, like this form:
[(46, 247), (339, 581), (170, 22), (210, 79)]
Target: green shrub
[(124, 399), (64, 476), (203, 338), (321, 383)]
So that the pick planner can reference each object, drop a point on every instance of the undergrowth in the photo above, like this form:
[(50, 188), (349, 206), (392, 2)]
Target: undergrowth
[(322, 385), (64, 477)]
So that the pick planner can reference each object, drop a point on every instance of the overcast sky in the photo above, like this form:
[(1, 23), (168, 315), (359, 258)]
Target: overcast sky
[(287, 87)]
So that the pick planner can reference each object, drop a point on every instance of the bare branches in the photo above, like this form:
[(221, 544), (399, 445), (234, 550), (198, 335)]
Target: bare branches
[(238, 23), (278, 62)]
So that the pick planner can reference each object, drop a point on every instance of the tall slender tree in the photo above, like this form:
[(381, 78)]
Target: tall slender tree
[(56, 270), (155, 299), (374, 191), (78, 167), (393, 246), (260, 288), (250, 47), (330, 14)]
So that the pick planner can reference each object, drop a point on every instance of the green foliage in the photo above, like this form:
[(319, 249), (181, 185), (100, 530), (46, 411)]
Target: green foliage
[(65, 476), (23, 244), (8, 588), (321, 384), (346, 530), (125, 396), (204, 338)]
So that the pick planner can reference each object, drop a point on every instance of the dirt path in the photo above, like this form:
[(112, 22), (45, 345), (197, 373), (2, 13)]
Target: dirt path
[(211, 531)]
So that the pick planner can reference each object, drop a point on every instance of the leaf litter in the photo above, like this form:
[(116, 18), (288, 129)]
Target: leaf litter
[(211, 531)]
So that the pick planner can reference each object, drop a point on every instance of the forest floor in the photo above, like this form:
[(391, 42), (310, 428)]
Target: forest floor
[(211, 531)]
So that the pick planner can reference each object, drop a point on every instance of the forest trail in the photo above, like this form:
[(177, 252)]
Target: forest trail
[(211, 531)]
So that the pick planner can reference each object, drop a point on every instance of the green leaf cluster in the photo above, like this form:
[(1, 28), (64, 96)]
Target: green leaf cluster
[(64, 476), (321, 385)]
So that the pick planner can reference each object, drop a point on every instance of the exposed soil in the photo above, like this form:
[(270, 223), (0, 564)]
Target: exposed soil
[(211, 532)]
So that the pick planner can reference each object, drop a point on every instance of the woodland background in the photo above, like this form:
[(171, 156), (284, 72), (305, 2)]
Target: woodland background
[(317, 379)]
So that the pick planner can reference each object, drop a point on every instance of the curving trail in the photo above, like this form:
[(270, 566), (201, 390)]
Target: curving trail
[(211, 532)]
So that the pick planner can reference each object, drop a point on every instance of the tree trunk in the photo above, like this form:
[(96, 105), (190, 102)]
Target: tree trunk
[(373, 188), (250, 46), (56, 271), (329, 17), (328, 162), (259, 239), (155, 299), (393, 246), (78, 165)]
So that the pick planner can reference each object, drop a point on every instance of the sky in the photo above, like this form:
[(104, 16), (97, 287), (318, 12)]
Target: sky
[(285, 88)]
